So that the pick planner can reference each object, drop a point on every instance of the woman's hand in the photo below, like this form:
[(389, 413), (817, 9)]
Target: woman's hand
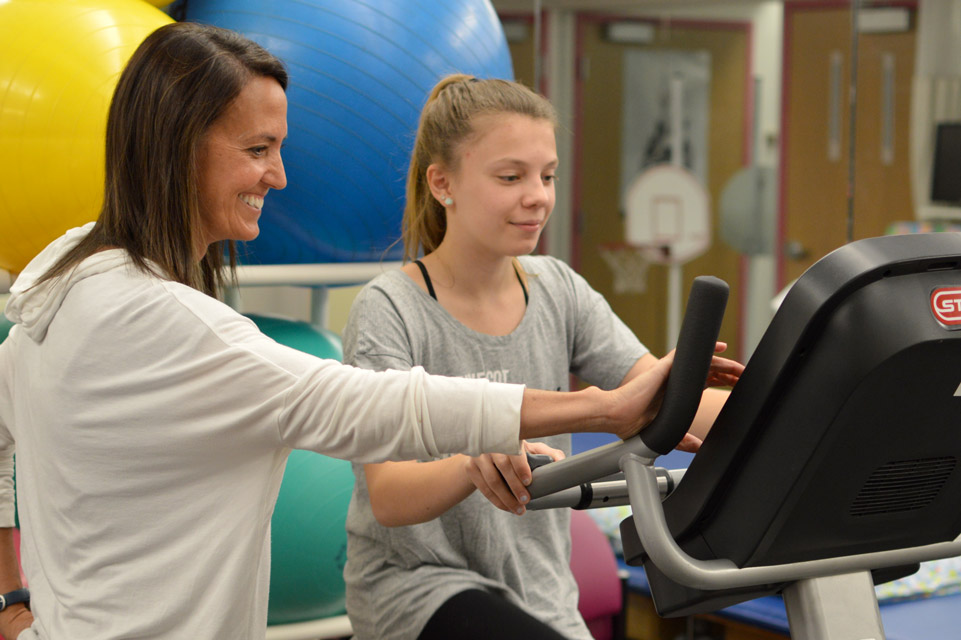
[(503, 479), (625, 410)]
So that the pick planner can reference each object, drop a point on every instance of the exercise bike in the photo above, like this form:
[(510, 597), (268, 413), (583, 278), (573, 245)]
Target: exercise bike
[(833, 465)]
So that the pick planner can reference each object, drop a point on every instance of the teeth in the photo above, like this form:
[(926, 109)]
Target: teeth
[(253, 201)]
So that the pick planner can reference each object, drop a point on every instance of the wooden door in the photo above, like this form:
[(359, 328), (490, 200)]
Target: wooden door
[(598, 219), (816, 127), (522, 48)]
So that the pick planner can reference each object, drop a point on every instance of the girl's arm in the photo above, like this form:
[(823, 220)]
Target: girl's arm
[(405, 493), (503, 479)]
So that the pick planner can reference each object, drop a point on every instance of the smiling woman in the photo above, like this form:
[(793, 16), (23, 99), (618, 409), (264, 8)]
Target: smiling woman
[(172, 187), (239, 162)]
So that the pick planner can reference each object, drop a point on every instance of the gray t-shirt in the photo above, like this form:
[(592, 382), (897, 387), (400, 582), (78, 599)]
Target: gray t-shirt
[(397, 577)]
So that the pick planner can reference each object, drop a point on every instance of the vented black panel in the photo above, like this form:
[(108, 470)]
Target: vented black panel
[(903, 485)]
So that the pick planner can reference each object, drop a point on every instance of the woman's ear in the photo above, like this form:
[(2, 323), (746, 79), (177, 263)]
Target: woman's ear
[(439, 182)]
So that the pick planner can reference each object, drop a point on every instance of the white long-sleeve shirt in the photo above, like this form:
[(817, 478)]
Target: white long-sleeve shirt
[(152, 425)]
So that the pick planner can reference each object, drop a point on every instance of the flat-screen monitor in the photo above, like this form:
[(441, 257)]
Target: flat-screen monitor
[(946, 171)]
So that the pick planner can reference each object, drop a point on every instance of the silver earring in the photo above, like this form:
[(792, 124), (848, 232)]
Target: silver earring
[(448, 201)]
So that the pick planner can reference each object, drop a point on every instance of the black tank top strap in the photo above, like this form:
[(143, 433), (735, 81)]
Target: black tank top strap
[(523, 288), (430, 286)]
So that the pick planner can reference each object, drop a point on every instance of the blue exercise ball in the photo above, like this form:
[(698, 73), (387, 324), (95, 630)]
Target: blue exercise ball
[(308, 539), (360, 72)]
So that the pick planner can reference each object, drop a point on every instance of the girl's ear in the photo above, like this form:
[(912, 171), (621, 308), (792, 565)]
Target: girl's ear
[(439, 182)]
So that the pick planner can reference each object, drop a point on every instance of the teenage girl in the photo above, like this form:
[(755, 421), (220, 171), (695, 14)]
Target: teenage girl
[(430, 556)]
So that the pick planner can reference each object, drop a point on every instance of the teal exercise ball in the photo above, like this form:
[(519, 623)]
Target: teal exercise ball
[(302, 336), (5, 326), (308, 543), (360, 71), (309, 540)]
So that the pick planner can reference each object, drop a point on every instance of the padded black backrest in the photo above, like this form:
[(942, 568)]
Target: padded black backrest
[(844, 434)]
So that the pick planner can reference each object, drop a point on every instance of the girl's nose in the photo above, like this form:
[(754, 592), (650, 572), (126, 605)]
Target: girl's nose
[(538, 193)]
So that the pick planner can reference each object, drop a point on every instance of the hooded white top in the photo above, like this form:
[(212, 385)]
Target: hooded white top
[(152, 424)]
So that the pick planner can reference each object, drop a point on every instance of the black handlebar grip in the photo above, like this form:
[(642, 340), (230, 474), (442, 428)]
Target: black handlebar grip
[(537, 460), (692, 362)]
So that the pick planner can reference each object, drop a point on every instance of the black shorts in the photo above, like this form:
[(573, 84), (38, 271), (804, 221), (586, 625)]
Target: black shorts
[(477, 614)]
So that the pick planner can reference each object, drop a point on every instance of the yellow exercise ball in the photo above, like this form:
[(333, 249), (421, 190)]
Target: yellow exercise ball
[(59, 63)]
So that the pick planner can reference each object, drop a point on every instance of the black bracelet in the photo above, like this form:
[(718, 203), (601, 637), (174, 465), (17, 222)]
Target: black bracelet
[(14, 597)]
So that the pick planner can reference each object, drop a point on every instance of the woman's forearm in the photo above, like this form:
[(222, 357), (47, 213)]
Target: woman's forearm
[(546, 413), (623, 411)]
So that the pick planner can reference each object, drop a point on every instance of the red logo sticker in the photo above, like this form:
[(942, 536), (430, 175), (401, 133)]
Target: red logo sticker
[(946, 305)]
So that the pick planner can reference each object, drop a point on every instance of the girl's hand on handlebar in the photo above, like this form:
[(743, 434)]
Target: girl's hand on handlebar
[(503, 479), (689, 443), (723, 372)]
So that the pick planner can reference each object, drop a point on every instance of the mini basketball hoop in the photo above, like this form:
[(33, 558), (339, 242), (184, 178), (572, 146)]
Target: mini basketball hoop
[(629, 265), (667, 215), (666, 206)]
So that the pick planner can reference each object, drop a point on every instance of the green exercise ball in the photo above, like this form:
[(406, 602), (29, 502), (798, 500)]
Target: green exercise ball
[(308, 543), (302, 336), (5, 326), (308, 539)]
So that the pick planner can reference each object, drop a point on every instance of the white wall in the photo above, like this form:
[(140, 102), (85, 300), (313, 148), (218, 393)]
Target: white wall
[(939, 38), (936, 94)]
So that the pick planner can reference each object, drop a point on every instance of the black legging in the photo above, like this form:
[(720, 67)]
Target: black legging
[(477, 614)]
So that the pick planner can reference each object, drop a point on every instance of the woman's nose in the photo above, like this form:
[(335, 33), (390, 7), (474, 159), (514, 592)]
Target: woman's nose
[(276, 177)]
